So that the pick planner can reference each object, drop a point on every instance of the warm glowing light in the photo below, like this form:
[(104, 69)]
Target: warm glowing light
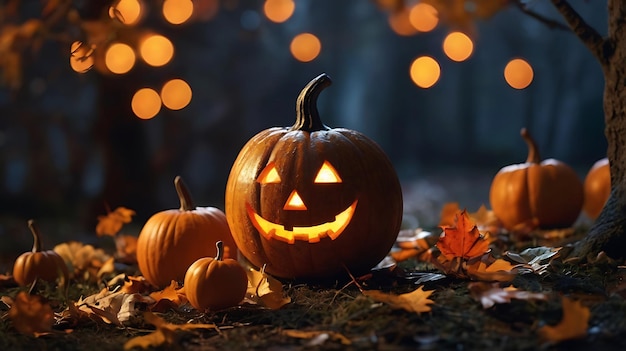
[(305, 47), (423, 17), (177, 11), (81, 57), (327, 174), (294, 202), (146, 103), (278, 10), (176, 94), (312, 234), (400, 23), (458, 46), (269, 175), (156, 50), (126, 11), (518, 73), (425, 71), (119, 58)]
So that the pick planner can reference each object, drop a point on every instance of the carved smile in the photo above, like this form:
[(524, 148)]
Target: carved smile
[(311, 234)]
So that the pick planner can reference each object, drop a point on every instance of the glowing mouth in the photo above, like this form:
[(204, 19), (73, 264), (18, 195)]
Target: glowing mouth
[(311, 234)]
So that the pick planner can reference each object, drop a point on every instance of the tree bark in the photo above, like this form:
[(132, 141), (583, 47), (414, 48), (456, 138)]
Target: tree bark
[(608, 233)]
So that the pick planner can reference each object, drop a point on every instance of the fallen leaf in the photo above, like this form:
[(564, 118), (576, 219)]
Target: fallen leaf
[(170, 297), (536, 259), (486, 220), (112, 222), (265, 290), (462, 240), (31, 314), (114, 307), (489, 294), (83, 261), (492, 270), (573, 325), (416, 301), (447, 217), (165, 333), (317, 337), (414, 243), (126, 247)]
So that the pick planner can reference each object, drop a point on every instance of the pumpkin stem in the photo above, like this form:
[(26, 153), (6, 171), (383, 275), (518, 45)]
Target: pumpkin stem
[(220, 251), (186, 202), (307, 116), (37, 246), (533, 150)]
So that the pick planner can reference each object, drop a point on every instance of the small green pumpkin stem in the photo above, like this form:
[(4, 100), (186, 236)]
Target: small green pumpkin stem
[(186, 202), (37, 245), (307, 116), (533, 150), (220, 251)]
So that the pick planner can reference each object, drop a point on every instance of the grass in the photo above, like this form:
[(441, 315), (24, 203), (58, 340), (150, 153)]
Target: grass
[(456, 322)]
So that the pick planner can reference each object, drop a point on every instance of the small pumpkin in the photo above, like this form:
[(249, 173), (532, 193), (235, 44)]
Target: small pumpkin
[(536, 194), (597, 186), (215, 283), (313, 202), (39, 264), (171, 240)]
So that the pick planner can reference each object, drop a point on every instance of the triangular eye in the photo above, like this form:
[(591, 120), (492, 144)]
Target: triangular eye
[(269, 175), (327, 174)]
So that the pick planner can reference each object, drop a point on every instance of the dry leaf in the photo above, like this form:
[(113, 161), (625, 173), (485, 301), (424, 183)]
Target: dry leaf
[(414, 243), (265, 290), (463, 240), (31, 314), (486, 221), (317, 337), (83, 261), (170, 297), (492, 270), (573, 325), (447, 217), (490, 294), (536, 259), (113, 307), (165, 333), (112, 223), (126, 246), (416, 301)]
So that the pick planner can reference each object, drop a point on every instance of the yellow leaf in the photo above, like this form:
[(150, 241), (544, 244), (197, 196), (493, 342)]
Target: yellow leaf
[(302, 334), (498, 270), (165, 333), (573, 325), (112, 223), (416, 301), (265, 290)]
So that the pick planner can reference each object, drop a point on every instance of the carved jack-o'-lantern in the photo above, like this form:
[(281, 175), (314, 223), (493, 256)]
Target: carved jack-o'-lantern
[(310, 201)]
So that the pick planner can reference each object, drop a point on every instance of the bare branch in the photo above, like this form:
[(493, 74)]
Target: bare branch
[(551, 23), (601, 48)]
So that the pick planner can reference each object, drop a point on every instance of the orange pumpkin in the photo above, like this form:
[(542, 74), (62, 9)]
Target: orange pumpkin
[(215, 283), (171, 240), (313, 202), (37, 264), (544, 194), (597, 187)]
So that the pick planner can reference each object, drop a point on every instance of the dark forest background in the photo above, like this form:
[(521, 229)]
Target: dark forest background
[(70, 146)]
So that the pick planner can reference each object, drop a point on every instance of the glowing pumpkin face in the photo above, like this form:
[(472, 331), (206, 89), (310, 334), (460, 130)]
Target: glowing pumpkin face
[(310, 201)]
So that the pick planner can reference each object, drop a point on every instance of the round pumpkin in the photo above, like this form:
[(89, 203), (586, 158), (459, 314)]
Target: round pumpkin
[(171, 240), (536, 194), (39, 264), (215, 283), (313, 202), (597, 187)]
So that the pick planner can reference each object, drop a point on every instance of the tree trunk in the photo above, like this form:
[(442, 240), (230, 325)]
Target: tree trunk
[(608, 233)]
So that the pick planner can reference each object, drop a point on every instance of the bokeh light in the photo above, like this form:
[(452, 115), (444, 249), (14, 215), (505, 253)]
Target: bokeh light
[(156, 50), (423, 17), (177, 11), (425, 71), (119, 58), (458, 46), (518, 73), (176, 94), (278, 11), (146, 103), (305, 47), (126, 11), (400, 23), (81, 57)]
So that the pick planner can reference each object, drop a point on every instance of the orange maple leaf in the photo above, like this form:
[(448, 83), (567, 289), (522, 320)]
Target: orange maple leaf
[(31, 314), (170, 297), (573, 325), (416, 301), (463, 240), (112, 222)]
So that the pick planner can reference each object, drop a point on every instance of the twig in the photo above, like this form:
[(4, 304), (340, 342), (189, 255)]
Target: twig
[(551, 23)]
